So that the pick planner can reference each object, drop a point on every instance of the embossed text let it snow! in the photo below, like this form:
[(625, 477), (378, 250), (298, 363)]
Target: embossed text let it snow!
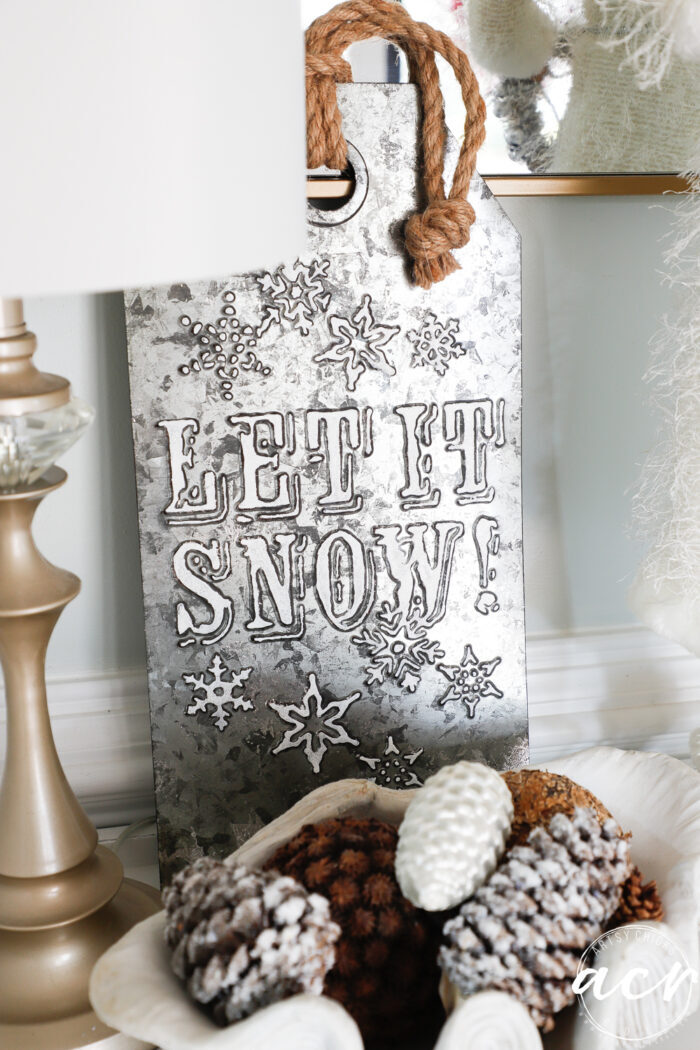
[(337, 570), (418, 557)]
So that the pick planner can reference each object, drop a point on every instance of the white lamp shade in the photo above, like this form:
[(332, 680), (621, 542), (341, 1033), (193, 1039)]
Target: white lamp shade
[(148, 141)]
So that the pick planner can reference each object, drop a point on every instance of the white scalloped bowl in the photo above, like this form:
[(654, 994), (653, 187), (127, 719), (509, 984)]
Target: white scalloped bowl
[(655, 797)]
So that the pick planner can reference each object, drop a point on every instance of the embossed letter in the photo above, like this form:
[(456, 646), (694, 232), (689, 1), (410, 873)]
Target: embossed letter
[(210, 497), (345, 580), (337, 432), (417, 437), (469, 429), (197, 567), (421, 579), (262, 435), (283, 586)]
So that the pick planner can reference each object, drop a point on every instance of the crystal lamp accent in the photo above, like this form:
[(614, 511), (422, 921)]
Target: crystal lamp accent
[(31, 443)]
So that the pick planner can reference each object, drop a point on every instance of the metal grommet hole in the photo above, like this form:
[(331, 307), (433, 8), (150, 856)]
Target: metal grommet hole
[(344, 192), (336, 189)]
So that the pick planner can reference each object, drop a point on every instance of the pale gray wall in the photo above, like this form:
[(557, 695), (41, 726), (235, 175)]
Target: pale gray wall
[(592, 300)]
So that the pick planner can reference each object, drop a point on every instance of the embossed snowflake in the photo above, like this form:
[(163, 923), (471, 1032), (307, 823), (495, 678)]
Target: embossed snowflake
[(470, 681), (316, 724), (299, 297), (436, 344), (225, 347), (394, 769), (398, 648), (215, 689), (358, 344)]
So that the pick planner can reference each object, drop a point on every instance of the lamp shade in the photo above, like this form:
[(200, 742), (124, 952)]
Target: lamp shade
[(148, 141)]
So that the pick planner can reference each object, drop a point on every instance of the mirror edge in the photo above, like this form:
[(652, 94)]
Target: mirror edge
[(585, 185)]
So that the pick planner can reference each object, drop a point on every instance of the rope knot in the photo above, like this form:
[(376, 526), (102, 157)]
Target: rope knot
[(432, 235), (444, 225)]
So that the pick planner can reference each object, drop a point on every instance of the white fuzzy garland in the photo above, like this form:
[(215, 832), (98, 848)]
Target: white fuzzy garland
[(651, 32), (666, 591)]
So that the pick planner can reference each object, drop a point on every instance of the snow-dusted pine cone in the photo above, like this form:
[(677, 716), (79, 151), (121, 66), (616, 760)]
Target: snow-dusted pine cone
[(386, 974), (452, 835), (244, 939), (523, 931), (640, 902)]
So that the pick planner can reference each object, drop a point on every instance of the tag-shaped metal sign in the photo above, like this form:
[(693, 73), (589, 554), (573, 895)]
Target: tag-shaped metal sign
[(328, 463)]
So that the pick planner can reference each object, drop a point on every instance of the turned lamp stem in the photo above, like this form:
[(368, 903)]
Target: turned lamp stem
[(23, 388), (43, 829), (63, 898)]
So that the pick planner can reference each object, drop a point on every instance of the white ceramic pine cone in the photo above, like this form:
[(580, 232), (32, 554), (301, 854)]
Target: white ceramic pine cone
[(453, 833)]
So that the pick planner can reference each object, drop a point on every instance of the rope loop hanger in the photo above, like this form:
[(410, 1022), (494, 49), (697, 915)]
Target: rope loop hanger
[(445, 223)]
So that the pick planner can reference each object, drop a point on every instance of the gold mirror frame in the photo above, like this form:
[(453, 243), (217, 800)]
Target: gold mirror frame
[(329, 187), (585, 185)]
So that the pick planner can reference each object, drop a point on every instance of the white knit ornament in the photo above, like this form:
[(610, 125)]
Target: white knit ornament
[(452, 835)]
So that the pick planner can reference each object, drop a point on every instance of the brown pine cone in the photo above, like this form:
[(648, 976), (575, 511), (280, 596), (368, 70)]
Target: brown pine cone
[(386, 973), (538, 795), (639, 902), (244, 939)]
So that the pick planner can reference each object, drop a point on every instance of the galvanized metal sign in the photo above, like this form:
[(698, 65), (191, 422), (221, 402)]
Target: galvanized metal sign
[(328, 464)]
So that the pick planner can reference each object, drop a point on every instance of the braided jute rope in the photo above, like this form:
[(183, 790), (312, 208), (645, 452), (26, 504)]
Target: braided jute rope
[(445, 224)]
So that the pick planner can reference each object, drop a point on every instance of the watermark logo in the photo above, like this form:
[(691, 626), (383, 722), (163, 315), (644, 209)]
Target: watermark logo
[(635, 983)]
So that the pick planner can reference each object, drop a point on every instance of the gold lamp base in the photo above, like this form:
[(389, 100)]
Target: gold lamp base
[(63, 898), (44, 975)]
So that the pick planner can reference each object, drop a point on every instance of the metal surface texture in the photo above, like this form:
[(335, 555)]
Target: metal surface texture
[(328, 469)]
